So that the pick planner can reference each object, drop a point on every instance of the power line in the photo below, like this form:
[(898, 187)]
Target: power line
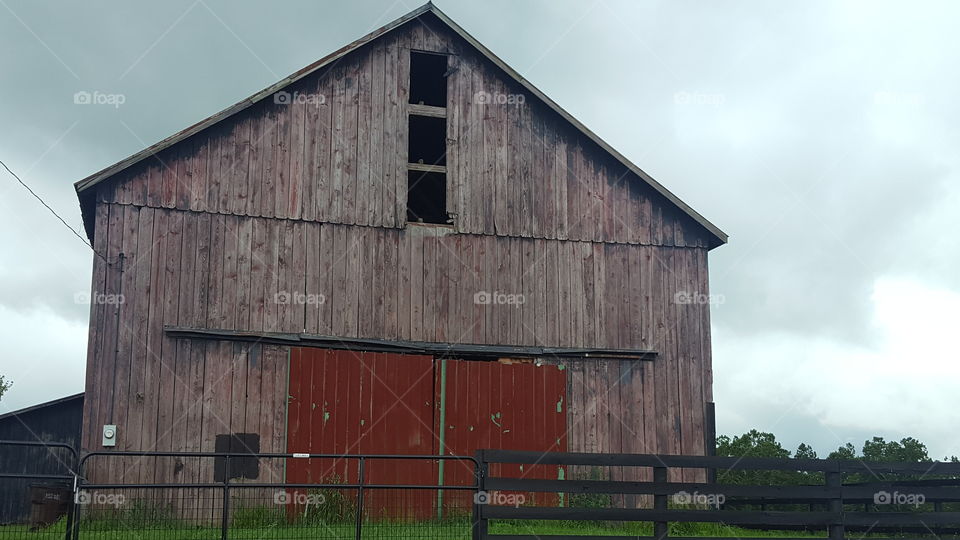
[(52, 211)]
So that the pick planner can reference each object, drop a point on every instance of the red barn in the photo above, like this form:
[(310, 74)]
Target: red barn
[(404, 247)]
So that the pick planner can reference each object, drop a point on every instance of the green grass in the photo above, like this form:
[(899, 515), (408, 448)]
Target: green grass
[(266, 527), (635, 529)]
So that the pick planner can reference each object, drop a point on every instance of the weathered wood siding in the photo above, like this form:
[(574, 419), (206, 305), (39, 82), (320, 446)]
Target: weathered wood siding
[(164, 394), (254, 274), (290, 218), (337, 153), (270, 275)]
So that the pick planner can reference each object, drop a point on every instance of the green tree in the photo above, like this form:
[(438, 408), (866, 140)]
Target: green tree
[(907, 450), (753, 444), (804, 451), (4, 386), (846, 451)]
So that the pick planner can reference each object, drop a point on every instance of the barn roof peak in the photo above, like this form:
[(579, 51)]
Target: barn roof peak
[(85, 187)]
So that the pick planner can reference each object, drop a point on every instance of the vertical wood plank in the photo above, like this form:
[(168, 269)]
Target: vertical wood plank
[(312, 279), (292, 196), (350, 137), (376, 132), (338, 110), (326, 286), (392, 125), (364, 126), (402, 132)]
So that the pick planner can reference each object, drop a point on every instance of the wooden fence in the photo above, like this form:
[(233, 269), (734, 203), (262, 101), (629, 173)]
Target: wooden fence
[(899, 498)]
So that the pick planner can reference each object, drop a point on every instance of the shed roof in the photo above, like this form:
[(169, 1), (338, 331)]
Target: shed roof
[(38, 406), (85, 187)]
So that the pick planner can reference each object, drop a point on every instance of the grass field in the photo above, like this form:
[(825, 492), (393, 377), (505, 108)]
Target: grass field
[(459, 529), (451, 529)]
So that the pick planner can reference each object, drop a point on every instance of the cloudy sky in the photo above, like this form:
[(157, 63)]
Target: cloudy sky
[(822, 136)]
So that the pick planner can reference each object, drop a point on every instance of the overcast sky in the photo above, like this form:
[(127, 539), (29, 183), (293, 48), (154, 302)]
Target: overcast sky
[(822, 136)]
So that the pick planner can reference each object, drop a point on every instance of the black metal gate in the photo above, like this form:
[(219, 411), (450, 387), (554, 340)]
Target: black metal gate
[(36, 489), (244, 495)]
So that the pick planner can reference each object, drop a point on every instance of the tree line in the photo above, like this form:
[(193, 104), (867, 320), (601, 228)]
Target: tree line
[(756, 443)]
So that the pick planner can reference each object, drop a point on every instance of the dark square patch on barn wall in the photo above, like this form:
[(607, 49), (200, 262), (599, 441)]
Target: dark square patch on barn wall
[(428, 81), (240, 467), (427, 143), (427, 197)]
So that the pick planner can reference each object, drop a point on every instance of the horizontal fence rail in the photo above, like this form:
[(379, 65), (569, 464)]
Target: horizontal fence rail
[(248, 495), (669, 491)]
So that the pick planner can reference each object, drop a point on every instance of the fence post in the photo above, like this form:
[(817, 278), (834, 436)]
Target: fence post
[(73, 514), (225, 518), (835, 480), (73, 518), (360, 475), (660, 528), (479, 522)]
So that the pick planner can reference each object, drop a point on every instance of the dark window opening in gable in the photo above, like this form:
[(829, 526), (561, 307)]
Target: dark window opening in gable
[(427, 197), (239, 467), (428, 82), (427, 141)]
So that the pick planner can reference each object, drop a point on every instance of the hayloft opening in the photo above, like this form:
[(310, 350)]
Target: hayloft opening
[(427, 197), (428, 82), (428, 140)]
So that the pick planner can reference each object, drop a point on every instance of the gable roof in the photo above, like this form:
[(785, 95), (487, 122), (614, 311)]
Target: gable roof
[(85, 187)]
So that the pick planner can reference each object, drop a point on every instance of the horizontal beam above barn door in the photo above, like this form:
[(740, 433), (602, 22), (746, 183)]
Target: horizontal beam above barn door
[(454, 350)]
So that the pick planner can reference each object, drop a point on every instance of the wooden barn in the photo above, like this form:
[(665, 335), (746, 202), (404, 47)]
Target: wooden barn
[(403, 248)]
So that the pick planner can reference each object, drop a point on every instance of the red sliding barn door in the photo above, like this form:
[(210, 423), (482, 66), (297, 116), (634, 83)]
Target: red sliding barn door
[(515, 406), (346, 402)]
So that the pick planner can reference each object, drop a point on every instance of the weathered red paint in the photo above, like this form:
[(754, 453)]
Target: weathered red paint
[(346, 402), (377, 403), (517, 406)]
